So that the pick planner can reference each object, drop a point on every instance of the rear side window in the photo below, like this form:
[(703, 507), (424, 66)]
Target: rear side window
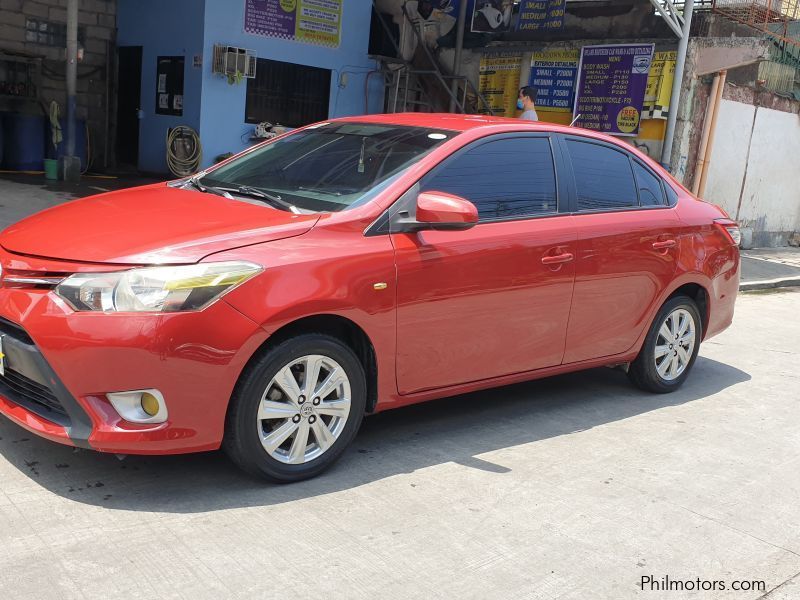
[(650, 191), (505, 178), (672, 195), (603, 177)]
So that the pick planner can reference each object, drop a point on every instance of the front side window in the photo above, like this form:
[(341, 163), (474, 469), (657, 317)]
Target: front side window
[(328, 167), (603, 177), (504, 178)]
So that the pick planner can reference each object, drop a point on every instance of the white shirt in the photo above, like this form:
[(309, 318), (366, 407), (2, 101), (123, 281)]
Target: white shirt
[(529, 115)]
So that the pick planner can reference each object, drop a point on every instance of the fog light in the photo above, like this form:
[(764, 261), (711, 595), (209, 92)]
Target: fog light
[(139, 406), (150, 404)]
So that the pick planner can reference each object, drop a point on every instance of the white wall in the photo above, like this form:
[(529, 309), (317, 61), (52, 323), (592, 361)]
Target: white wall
[(763, 153)]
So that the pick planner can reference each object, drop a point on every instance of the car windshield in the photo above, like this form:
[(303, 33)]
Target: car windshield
[(327, 167)]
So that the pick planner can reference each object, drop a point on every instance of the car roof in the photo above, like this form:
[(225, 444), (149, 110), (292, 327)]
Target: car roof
[(461, 123)]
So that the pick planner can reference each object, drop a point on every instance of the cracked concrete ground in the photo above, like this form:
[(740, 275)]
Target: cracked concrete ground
[(573, 488)]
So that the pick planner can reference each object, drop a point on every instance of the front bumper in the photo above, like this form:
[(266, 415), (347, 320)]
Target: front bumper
[(60, 364)]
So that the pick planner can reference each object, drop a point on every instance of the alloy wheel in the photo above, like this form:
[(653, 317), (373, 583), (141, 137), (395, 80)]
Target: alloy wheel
[(675, 344), (304, 409)]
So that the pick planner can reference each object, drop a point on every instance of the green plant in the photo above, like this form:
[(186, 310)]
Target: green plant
[(235, 78)]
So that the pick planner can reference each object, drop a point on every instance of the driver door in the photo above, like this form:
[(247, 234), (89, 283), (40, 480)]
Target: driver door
[(492, 300)]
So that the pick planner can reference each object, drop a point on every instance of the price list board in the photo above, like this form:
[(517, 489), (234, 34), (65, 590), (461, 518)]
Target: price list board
[(611, 86)]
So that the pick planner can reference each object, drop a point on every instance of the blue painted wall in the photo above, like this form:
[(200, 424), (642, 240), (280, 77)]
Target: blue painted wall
[(222, 124), (213, 107), (163, 28)]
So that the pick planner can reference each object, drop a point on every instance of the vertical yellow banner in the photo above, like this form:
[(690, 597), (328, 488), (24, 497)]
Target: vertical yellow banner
[(499, 82)]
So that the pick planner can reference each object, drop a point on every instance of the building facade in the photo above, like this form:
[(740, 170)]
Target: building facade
[(299, 77)]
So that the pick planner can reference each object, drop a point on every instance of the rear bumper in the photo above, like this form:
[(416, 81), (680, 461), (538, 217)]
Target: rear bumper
[(724, 269), (60, 364)]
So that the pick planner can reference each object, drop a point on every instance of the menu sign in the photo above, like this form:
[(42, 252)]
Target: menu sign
[(611, 85), (499, 82), (553, 73)]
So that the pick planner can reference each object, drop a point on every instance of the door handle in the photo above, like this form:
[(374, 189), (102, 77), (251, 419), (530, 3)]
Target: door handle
[(664, 245), (557, 259)]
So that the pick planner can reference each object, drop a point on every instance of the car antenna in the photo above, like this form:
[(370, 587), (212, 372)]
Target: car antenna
[(578, 116)]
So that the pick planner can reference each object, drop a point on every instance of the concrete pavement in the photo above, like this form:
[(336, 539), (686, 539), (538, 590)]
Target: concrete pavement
[(573, 488)]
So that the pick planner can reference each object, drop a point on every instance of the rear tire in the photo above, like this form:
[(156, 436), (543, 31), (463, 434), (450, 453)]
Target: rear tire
[(670, 348), (296, 408)]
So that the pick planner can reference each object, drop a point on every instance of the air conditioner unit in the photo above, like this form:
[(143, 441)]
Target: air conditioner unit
[(230, 60)]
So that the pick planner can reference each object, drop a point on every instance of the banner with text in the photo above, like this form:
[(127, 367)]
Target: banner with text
[(611, 87), (309, 21), (536, 15), (659, 86), (499, 82), (553, 74)]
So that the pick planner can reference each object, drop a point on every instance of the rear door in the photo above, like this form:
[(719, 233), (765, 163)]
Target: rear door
[(494, 299), (627, 247)]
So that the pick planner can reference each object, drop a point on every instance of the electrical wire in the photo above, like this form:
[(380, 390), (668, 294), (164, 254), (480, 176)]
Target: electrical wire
[(187, 160)]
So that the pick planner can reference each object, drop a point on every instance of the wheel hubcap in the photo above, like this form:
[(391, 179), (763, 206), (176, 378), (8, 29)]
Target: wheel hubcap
[(675, 344), (294, 430)]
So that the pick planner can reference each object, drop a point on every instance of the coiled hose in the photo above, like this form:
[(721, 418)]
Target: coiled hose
[(184, 151)]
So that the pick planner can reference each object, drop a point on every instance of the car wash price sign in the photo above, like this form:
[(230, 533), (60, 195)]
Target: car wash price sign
[(611, 85)]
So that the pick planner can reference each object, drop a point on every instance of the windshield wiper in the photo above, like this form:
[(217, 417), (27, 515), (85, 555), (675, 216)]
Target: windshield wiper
[(207, 189), (274, 199)]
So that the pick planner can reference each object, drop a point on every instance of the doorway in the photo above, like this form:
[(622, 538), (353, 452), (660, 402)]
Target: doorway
[(129, 90)]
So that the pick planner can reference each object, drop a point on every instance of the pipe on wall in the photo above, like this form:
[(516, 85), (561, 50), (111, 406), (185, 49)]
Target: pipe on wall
[(709, 129)]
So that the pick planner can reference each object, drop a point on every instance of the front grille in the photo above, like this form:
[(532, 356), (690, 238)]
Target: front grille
[(34, 396)]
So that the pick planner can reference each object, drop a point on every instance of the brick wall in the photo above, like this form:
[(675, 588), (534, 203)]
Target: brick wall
[(97, 24)]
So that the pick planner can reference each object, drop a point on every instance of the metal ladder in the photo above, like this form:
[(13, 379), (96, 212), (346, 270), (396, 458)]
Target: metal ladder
[(409, 88)]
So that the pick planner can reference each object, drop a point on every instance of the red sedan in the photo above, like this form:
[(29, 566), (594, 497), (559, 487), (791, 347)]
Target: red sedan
[(267, 304)]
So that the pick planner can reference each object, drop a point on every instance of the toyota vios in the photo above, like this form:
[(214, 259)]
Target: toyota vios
[(267, 304)]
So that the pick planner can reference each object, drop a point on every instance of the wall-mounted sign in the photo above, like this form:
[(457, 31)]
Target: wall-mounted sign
[(499, 82), (169, 85), (611, 86), (309, 21), (553, 74), (491, 16), (536, 15), (659, 86)]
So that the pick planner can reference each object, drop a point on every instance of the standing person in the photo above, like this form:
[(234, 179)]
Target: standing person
[(526, 103)]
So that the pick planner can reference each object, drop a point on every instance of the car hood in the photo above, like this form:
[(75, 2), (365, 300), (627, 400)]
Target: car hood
[(155, 224)]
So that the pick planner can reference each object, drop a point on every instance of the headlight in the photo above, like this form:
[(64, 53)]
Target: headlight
[(155, 289)]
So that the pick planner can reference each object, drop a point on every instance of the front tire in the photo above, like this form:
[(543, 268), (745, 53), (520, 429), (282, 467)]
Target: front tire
[(670, 348), (296, 408)]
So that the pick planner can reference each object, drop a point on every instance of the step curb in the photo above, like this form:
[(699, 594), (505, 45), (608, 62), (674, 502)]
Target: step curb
[(769, 284)]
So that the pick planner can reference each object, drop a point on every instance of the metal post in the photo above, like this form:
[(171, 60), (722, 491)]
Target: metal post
[(674, 99), (70, 170), (462, 19)]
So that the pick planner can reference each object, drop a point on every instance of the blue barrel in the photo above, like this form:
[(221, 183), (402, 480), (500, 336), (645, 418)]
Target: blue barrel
[(61, 150), (23, 142)]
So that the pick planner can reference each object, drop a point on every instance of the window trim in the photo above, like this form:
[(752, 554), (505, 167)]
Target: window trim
[(506, 136), (573, 201)]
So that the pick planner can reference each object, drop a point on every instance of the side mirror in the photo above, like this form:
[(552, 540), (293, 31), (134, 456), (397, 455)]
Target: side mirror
[(440, 211)]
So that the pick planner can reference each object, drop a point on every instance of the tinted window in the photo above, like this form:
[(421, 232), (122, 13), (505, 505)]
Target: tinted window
[(511, 177), (650, 192), (672, 195), (603, 177)]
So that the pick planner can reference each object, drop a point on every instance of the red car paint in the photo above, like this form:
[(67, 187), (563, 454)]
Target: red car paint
[(462, 310)]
